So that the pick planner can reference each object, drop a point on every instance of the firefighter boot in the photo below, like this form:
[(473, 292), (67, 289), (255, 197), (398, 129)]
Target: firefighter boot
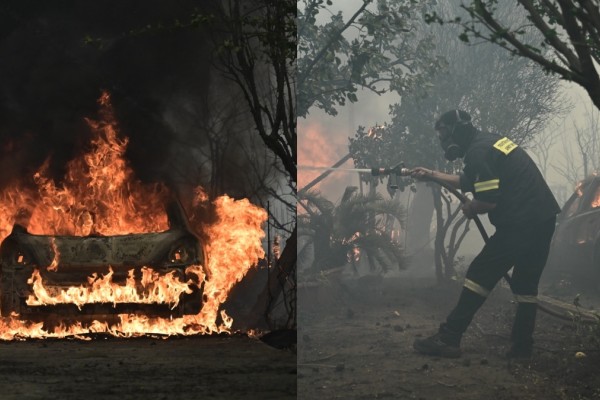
[(446, 343), (522, 331)]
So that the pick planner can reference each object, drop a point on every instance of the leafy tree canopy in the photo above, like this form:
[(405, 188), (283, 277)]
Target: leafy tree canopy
[(375, 49), (504, 94)]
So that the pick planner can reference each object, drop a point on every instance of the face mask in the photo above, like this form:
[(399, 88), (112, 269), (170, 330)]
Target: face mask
[(452, 151)]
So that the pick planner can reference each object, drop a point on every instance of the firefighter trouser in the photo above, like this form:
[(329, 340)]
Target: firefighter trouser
[(526, 249)]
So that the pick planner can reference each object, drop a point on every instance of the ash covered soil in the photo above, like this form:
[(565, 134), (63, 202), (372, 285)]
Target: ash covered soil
[(355, 342), (202, 367)]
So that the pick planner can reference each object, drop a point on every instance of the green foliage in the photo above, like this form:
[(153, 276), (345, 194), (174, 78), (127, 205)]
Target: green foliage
[(389, 145), (375, 49)]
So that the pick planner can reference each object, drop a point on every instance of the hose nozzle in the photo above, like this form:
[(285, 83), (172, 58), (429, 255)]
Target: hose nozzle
[(398, 170)]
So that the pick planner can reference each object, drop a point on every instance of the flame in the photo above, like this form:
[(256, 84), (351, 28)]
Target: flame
[(101, 289), (55, 260), (238, 222), (353, 254), (100, 195), (596, 200), (376, 132), (579, 189)]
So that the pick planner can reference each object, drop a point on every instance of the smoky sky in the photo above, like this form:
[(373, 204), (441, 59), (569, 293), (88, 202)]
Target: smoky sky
[(56, 57)]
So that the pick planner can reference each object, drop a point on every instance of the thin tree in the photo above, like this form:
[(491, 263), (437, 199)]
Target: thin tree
[(540, 145), (256, 43), (568, 40), (374, 49), (580, 154)]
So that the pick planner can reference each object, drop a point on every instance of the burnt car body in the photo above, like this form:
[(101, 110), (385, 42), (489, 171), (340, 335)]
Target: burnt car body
[(575, 248), (77, 258)]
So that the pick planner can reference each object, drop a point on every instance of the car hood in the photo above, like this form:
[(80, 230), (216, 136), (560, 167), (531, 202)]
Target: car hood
[(134, 250)]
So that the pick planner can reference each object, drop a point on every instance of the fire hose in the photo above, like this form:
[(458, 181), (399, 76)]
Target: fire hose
[(400, 170), (394, 173)]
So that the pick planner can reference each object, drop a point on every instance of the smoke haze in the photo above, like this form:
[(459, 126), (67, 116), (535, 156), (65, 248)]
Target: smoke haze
[(57, 57)]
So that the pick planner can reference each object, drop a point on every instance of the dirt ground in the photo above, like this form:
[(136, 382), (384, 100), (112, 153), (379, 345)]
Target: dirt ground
[(203, 367), (355, 342)]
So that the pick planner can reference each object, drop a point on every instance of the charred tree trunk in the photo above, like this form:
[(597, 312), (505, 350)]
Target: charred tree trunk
[(456, 239), (418, 226), (281, 274), (444, 255), (439, 235)]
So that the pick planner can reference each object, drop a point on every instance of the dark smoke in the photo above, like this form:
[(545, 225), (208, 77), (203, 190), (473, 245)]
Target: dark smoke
[(53, 69)]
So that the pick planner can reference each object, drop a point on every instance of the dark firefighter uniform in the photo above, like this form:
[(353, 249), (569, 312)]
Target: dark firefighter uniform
[(499, 171)]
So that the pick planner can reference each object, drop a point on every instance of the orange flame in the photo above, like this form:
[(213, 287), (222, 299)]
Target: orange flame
[(579, 189), (165, 289), (238, 222), (596, 199), (353, 254), (56, 259), (100, 195)]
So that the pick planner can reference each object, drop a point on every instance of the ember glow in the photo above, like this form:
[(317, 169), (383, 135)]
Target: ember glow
[(101, 197), (353, 254), (376, 132), (579, 189), (596, 199)]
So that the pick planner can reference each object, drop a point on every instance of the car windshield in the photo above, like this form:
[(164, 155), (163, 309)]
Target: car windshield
[(582, 192), (572, 205)]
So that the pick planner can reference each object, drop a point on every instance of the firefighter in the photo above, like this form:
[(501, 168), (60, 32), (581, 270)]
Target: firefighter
[(506, 185)]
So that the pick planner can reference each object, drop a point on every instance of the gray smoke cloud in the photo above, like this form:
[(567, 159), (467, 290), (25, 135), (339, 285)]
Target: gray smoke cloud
[(53, 70)]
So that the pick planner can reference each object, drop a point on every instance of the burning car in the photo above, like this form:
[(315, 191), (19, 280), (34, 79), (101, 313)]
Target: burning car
[(99, 251), (98, 276), (575, 248)]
